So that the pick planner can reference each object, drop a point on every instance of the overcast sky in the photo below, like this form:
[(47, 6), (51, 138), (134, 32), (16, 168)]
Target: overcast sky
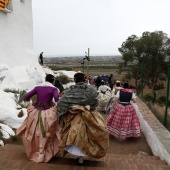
[(70, 27)]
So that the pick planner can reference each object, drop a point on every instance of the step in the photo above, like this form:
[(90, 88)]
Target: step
[(13, 157), (70, 164)]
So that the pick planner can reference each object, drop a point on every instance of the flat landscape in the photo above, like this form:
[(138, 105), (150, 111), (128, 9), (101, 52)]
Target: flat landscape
[(98, 65)]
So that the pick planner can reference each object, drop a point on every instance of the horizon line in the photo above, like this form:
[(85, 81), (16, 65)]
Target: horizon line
[(53, 55)]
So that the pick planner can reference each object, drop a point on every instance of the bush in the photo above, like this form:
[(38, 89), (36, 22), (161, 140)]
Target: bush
[(148, 97), (63, 79), (159, 86), (20, 114), (13, 139), (19, 96), (128, 77), (1, 135), (56, 68), (11, 91), (162, 77), (161, 100), (155, 112)]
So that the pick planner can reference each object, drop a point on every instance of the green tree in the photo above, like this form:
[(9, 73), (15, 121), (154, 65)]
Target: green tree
[(148, 52)]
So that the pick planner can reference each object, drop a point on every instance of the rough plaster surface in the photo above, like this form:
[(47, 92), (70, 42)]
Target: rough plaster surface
[(16, 37), (18, 61)]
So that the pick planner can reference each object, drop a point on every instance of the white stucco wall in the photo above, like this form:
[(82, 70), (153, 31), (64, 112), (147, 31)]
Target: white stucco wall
[(16, 35), (17, 56)]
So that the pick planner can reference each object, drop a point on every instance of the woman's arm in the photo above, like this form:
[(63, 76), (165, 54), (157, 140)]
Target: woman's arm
[(28, 96), (56, 95), (115, 102), (134, 97)]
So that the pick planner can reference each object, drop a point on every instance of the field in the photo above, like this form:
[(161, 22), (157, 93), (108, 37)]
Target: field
[(92, 71)]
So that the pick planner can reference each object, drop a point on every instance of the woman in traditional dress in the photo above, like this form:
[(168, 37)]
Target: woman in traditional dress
[(116, 88), (40, 132), (84, 132), (103, 97), (113, 93), (123, 121)]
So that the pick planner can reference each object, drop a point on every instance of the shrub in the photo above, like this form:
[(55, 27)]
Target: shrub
[(128, 77), (162, 76), (63, 79), (19, 96), (2, 78), (148, 97), (11, 91), (155, 112), (162, 99), (1, 135), (13, 139), (20, 114), (55, 68), (159, 86)]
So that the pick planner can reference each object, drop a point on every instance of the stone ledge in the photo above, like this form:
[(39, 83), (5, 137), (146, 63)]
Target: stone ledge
[(157, 136)]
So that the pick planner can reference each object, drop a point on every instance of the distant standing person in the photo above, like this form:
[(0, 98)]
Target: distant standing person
[(41, 58), (111, 81), (103, 96)]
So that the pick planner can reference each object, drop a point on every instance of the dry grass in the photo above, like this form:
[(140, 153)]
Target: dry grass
[(160, 110), (159, 113)]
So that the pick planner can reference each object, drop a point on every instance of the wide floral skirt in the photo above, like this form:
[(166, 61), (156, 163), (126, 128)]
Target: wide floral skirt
[(123, 122), (40, 133), (85, 131)]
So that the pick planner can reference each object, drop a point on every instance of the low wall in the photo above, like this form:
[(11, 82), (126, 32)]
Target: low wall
[(157, 136)]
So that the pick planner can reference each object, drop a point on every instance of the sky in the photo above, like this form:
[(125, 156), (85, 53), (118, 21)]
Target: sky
[(70, 27)]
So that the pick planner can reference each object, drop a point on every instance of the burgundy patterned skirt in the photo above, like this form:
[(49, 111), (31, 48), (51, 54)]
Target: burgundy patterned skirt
[(123, 122)]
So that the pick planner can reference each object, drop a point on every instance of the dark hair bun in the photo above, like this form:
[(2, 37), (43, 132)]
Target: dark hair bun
[(126, 85), (49, 78)]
